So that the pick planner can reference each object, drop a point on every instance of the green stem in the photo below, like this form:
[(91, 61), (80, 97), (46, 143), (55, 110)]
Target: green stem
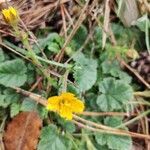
[(54, 63), (134, 119), (23, 51)]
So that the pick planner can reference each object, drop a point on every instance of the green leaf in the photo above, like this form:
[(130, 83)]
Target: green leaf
[(85, 73), (101, 138), (11, 96), (31, 74), (141, 23), (98, 37), (67, 125), (14, 109), (115, 94), (2, 57), (113, 121), (72, 89), (123, 142), (80, 37), (8, 97), (53, 42), (114, 142), (28, 105), (50, 139), (43, 112), (3, 103), (119, 142), (113, 68), (13, 73), (124, 36)]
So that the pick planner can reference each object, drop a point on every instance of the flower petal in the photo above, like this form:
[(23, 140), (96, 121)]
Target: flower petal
[(66, 113), (65, 105), (77, 106), (53, 103)]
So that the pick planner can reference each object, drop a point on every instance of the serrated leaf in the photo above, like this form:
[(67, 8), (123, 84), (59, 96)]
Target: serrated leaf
[(119, 142), (14, 109), (113, 68), (85, 73), (114, 142), (13, 73), (114, 94), (28, 105), (101, 138), (52, 42), (11, 96), (50, 139), (8, 97), (113, 121)]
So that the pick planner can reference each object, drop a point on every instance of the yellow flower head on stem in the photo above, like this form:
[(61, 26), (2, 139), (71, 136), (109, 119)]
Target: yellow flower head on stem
[(10, 16), (65, 105)]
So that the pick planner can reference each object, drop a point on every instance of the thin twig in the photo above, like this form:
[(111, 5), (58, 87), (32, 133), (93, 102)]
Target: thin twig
[(86, 113), (35, 84), (132, 134), (106, 22), (38, 98), (77, 25), (134, 72), (64, 20)]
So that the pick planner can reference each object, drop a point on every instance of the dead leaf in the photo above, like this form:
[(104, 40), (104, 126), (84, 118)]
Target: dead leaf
[(128, 12), (23, 131)]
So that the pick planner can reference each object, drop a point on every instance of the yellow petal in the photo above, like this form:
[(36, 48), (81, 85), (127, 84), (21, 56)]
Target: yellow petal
[(67, 95), (53, 103), (65, 105), (77, 106), (66, 113), (10, 15)]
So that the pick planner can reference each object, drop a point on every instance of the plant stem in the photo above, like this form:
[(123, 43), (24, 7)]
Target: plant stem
[(54, 63), (127, 133), (142, 103), (134, 119)]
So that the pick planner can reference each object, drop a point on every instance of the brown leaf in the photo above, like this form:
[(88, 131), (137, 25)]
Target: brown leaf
[(128, 12), (23, 131)]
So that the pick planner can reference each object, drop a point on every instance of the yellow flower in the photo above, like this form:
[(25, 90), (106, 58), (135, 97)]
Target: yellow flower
[(65, 105), (10, 16)]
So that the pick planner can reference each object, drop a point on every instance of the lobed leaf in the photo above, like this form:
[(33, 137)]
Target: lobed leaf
[(85, 72), (13, 73), (115, 93)]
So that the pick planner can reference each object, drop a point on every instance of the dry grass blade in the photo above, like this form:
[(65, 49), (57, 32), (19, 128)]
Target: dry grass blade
[(77, 25), (32, 13), (106, 22), (134, 72), (106, 129), (86, 113)]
